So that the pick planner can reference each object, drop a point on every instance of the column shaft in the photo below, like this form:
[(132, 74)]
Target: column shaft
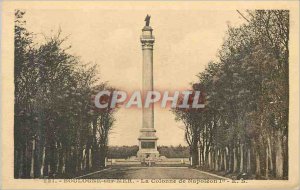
[(148, 113)]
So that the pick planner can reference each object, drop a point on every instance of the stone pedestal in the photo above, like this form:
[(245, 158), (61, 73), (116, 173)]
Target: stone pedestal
[(147, 139), (147, 144)]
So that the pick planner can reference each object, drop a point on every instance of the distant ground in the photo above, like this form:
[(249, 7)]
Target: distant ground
[(151, 173)]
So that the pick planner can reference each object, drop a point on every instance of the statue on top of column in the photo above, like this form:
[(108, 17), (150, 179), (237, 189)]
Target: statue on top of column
[(147, 20)]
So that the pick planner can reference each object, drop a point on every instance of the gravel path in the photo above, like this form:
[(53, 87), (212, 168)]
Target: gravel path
[(151, 173)]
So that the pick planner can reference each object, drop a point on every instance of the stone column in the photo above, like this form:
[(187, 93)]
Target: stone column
[(147, 139)]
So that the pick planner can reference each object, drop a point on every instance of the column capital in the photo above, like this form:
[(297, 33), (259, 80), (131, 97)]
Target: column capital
[(147, 39), (147, 42)]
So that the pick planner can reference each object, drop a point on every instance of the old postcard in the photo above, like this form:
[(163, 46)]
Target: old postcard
[(149, 95)]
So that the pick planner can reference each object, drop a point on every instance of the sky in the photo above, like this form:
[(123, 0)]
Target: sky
[(185, 41)]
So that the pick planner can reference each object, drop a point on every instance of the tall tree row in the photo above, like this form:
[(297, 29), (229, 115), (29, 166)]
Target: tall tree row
[(244, 125), (57, 130)]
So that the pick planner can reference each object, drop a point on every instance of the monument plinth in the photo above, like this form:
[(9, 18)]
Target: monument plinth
[(147, 139)]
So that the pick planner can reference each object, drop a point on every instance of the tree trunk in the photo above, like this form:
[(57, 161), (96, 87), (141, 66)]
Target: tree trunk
[(26, 160), (241, 158), (230, 162), (103, 156), (267, 163), (286, 158), (202, 156), (249, 161), (52, 158), (257, 160), (234, 160), (212, 158), (37, 158), (43, 161), (195, 153), (216, 160), (225, 159), (60, 160), (94, 146), (87, 160), (21, 163), (17, 160), (209, 160), (279, 156), (221, 160), (32, 159), (269, 149), (46, 162), (68, 161)]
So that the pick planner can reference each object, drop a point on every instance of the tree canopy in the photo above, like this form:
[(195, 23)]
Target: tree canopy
[(244, 126), (58, 131)]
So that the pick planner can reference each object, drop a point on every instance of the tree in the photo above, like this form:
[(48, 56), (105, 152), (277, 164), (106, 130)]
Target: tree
[(244, 127), (54, 117)]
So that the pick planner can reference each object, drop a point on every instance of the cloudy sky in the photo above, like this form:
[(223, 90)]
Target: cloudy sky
[(186, 40)]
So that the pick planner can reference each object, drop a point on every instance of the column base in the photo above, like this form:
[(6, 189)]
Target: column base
[(148, 148), (143, 154)]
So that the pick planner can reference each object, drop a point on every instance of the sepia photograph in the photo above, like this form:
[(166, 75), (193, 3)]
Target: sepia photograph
[(149, 95)]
